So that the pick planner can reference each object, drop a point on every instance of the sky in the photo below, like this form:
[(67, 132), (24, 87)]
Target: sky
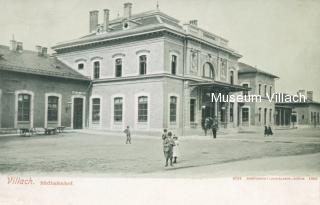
[(279, 36)]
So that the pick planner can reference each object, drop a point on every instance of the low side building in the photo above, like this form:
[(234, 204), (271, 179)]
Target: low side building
[(37, 90), (303, 114), (257, 114)]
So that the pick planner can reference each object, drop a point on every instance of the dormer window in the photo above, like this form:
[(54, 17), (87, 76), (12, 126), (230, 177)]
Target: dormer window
[(80, 66)]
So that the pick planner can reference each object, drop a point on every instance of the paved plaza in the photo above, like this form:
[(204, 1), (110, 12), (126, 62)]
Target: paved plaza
[(92, 153)]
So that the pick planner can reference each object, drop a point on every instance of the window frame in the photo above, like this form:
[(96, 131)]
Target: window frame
[(172, 55), (30, 122), (173, 105), (21, 117), (194, 112), (92, 118), (146, 109), (145, 62), (114, 109), (116, 67), (94, 69)]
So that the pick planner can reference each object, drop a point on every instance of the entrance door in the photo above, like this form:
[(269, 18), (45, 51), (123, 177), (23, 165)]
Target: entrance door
[(77, 113)]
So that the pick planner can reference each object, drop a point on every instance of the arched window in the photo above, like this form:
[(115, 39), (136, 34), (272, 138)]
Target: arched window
[(208, 71), (231, 77), (118, 67), (96, 70), (143, 109), (142, 64), (118, 109), (173, 64)]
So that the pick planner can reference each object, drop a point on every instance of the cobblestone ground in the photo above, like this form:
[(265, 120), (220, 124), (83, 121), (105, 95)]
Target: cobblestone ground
[(87, 153)]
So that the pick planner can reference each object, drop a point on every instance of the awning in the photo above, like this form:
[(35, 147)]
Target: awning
[(220, 86)]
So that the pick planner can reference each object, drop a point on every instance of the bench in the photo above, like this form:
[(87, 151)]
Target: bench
[(26, 131), (60, 129), (51, 130)]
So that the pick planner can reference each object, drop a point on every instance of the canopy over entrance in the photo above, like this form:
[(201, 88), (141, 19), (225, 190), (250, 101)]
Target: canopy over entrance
[(219, 87)]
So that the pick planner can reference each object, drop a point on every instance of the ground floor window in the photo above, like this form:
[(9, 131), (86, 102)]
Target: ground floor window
[(24, 103), (95, 109), (173, 109), (192, 110), (143, 109), (265, 116), (53, 108), (118, 109), (270, 115), (245, 114), (259, 115)]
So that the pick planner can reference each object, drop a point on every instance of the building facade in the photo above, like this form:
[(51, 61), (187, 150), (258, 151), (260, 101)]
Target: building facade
[(37, 90), (262, 84), (150, 72)]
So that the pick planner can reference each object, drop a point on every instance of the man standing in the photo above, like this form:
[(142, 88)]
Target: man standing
[(128, 134), (214, 127)]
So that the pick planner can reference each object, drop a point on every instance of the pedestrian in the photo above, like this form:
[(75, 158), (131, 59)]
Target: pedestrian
[(164, 134), (214, 127), (168, 144), (266, 133), (128, 135), (270, 130), (176, 149)]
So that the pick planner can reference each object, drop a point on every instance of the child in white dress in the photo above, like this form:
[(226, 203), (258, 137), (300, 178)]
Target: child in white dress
[(176, 151)]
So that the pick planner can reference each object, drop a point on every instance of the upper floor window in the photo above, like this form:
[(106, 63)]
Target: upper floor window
[(173, 109), (208, 71), (95, 109), (245, 85), (231, 77), (173, 64), (53, 108), (265, 90), (143, 109), (80, 66), (118, 67), (118, 109), (259, 91), (24, 103), (142, 64), (96, 70)]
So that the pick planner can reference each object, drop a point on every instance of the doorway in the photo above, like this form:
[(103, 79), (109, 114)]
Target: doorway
[(77, 113)]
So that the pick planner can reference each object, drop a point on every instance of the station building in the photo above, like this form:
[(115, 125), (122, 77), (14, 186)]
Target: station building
[(37, 90), (150, 71)]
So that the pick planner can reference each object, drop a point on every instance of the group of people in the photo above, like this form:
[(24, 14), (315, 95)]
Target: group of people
[(210, 123), (170, 147), (267, 131)]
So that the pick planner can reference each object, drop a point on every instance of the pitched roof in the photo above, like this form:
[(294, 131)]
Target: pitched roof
[(30, 62), (245, 68)]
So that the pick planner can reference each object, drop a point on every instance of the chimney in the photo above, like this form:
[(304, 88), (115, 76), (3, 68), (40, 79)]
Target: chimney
[(39, 50), (302, 92), (44, 51), (106, 20), (310, 95), (19, 47), (93, 20), (13, 44), (127, 10), (194, 22)]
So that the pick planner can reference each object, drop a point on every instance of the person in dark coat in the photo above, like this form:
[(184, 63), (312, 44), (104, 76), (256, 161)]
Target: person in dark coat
[(214, 127), (266, 131), (270, 130), (168, 144), (128, 134)]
